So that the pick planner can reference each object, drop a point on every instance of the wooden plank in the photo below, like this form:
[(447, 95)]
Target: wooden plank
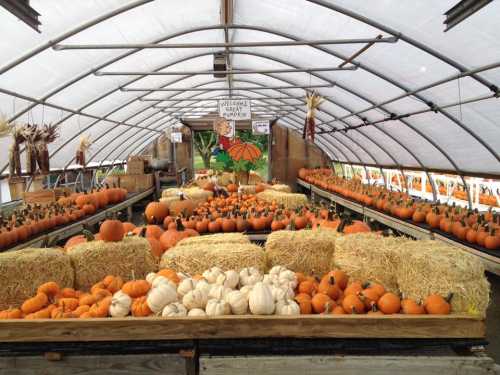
[(347, 365), (130, 364), (248, 326)]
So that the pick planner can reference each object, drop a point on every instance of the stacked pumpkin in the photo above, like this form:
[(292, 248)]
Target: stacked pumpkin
[(26, 223), (465, 224)]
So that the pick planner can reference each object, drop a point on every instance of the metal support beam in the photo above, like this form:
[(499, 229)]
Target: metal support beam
[(232, 72), (280, 43), (359, 52), (152, 89), (161, 100)]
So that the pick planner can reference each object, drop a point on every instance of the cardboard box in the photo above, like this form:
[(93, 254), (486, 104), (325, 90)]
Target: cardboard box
[(133, 183), (17, 186), (135, 165)]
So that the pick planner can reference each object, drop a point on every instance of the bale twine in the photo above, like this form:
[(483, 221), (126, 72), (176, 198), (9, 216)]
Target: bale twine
[(369, 257), (288, 200), (307, 251), (194, 259), (214, 239), (22, 271), (281, 187), (92, 261), (427, 267)]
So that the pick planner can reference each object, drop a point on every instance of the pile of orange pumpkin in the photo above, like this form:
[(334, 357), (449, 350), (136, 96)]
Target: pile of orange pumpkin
[(335, 294), (26, 223), (467, 225)]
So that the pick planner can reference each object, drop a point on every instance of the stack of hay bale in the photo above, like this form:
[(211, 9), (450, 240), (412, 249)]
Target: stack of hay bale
[(307, 251), (288, 200), (194, 193), (227, 251)]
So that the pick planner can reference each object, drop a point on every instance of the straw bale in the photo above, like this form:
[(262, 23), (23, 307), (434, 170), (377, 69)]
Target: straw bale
[(289, 200), (254, 178), (427, 267), (248, 189), (369, 257), (214, 239), (22, 271), (92, 261), (194, 259), (281, 187), (308, 251), (194, 193), (225, 178)]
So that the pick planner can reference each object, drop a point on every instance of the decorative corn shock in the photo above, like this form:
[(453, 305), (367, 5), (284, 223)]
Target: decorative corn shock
[(312, 103), (82, 149)]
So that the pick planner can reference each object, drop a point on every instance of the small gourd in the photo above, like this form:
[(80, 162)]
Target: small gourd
[(161, 296), (276, 270), (245, 290), (186, 286), (250, 276), (204, 286), (150, 277), (288, 278), (230, 279), (162, 280), (217, 307), (261, 301), (237, 302), (175, 309), (280, 293), (212, 274), (218, 292), (120, 305), (197, 313), (270, 279), (195, 299), (287, 307)]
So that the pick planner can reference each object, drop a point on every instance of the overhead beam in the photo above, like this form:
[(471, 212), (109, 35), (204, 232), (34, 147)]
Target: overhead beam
[(22, 10), (221, 97), (461, 11), (244, 88), (278, 43), (266, 105), (233, 72)]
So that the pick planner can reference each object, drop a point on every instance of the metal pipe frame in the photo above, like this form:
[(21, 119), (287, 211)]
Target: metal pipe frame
[(281, 43), (226, 89), (227, 72), (238, 27), (300, 98), (215, 106)]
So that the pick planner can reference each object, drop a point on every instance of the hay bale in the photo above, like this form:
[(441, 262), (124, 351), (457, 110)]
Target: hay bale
[(194, 259), (427, 267), (92, 261), (281, 187), (194, 193), (369, 257), (22, 271), (225, 178), (254, 178), (248, 189), (307, 251), (215, 239), (288, 200)]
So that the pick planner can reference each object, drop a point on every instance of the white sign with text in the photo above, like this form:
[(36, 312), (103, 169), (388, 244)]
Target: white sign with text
[(235, 109)]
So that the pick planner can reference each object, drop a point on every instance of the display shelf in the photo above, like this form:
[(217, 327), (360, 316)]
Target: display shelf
[(399, 225), (353, 206), (77, 227), (304, 184), (243, 326)]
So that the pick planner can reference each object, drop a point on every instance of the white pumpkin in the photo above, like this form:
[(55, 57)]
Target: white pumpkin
[(204, 286), (237, 302), (270, 279), (174, 309), (216, 307), (288, 278), (197, 312), (186, 286), (250, 276), (150, 277), (195, 299), (261, 301), (212, 274), (161, 296), (287, 307), (120, 305), (182, 275), (276, 270), (245, 290), (280, 293), (218, 292), (232, 279), (162, 280)]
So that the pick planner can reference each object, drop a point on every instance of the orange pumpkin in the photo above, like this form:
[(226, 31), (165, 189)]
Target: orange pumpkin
[(140, 307), (245, 151), (435, 304), (112, 231), (170, 238), (389, 303), (319, 302), (410, 306), (156, 212), (136, 288), (352, 304)]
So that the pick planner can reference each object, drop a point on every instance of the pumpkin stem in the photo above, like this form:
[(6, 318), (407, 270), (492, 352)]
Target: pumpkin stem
[(88, 235), (179, 225), (449, 297)]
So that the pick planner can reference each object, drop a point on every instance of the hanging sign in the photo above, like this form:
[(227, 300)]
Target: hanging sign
[(235, 109), (176, 137), (260, 127), (224, 128)]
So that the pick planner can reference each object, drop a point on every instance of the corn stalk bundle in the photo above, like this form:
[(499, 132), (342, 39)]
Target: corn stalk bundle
[(6, 129), (312, 103), (48, 134), (31, 136), (83, 147)]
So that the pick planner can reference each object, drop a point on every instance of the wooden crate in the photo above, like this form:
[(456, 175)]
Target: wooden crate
[(135, 165), (244, 326), (144, 182), (39, 197)]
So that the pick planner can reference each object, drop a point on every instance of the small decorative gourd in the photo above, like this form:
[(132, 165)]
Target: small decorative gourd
[(245, 290), (270, 279), (280, 293), (197, 312), (276, 270), (237, 302), (250, 276), (174, 309), (204, 286), (162, 280), (186, 286), (288, 278), (287, 307), (217, 307), (212, 274), (161, 296), (230, 279), (261, 301), (218, 292), (150, 277), (195, 299), (120, 305)]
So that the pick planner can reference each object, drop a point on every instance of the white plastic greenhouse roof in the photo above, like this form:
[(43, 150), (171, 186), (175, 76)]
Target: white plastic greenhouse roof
[(40, 83)]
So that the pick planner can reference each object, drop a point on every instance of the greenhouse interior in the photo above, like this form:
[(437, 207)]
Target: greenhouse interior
[(226, 186)]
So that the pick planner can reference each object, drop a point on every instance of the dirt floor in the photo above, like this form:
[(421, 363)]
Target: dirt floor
[(493, 319)]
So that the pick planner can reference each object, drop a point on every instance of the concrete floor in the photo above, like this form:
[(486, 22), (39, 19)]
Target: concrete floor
[(493, 319)]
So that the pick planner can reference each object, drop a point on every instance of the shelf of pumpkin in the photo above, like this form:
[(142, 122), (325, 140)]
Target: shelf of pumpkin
[(76, 227)]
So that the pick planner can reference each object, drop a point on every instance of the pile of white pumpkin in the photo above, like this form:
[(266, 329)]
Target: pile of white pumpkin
[(217, 293)]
